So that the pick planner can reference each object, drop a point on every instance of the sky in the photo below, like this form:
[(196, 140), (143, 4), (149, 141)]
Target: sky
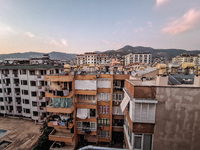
[(78, 26)]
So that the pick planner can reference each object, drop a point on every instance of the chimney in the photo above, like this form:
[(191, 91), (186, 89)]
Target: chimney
[(162, 76)]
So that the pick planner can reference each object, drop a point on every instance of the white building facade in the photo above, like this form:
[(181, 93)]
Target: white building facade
[(92, 58), (138, 57), (22, 90)]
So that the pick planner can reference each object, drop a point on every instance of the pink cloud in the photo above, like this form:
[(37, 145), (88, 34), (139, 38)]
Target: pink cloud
[(161, 2), (187, 21)]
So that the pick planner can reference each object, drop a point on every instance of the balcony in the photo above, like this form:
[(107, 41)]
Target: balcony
[(61, 136), (59, 78), (48, 94), (7, 85), (50, 108), (7, 94), (70, 125), (86, 105), (17, 94), (9, 103), (55, 147)]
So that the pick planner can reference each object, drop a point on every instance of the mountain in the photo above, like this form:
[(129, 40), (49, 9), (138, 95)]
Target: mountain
[(156, 53), (53, 55)]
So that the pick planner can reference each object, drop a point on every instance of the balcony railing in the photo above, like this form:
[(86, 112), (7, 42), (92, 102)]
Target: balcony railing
[(61, 136)]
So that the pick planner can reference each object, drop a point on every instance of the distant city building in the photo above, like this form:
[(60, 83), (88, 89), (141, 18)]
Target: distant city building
[(190, 58), (92, 58), (22, 87), (138, 57)]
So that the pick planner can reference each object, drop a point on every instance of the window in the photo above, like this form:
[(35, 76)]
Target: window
[(23, 71), (103, 96), (33, 83), (103, 134), (1, 99), (25, 101), (24, 82), (35, 113), (103, 109), (86, 125), (104, 121), (142, 141), (27, 111), (32, 72), (33, 94), (2, 108), (0, 90), (25, 92), (118, 96), (85, 97), (92, 112), (144, 112), (34, 103)]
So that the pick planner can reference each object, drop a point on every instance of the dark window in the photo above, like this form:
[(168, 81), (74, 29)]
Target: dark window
[(35, 113), (92, 112), (24, 82), (23, 71), (25, 92), (1, 99), (32, 72), (0, 90), (26, 101), (2, 108), (34, 103), (34, 94), (28, 111), (33, 83)]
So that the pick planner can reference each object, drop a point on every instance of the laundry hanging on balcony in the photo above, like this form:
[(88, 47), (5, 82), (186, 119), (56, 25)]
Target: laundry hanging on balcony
[(83, 113), (62, 102)]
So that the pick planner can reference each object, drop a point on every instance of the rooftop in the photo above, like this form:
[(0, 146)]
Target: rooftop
[(22, 133), (29, 67)]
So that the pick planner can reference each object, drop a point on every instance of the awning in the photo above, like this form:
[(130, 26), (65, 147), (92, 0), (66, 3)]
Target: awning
[(124, 101)]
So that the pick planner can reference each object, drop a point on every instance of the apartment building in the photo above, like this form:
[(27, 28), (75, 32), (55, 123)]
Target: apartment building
[(22, 89), (92, 58), (187, 58), (85, 108), (145, 58), (162, 114)]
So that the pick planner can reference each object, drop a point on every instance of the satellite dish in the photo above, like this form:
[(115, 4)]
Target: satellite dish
[(133, 73)]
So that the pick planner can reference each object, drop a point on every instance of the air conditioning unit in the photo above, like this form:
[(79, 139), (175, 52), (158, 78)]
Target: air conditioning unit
[(116, 103)]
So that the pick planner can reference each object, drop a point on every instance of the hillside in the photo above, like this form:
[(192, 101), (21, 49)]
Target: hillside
[(156, 53), (53, 55)]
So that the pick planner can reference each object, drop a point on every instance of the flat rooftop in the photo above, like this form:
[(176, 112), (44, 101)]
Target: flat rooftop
[(22, 133)]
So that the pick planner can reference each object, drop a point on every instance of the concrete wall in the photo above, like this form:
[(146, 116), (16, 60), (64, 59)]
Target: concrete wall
[(177, 119)]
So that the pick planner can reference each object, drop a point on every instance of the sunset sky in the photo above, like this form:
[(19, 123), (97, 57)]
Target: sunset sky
[(77, 26)]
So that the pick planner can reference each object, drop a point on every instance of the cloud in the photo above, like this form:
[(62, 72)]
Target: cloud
[(6, 30), (187, 21), (149, 24), (112, 44), (59, 43), (64, 42), (140, 29), (161, 2), (29, 34)]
